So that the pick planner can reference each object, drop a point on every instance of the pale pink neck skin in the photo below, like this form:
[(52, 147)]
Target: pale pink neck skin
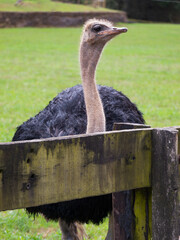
[(89, 56)]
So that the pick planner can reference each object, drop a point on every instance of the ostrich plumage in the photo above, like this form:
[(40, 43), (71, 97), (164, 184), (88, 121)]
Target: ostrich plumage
[(66, 115)]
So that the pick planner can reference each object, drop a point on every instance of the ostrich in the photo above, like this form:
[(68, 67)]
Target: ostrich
[(82, 109)]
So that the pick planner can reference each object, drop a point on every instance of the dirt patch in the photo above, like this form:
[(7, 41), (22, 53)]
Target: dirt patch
[(55, 19)]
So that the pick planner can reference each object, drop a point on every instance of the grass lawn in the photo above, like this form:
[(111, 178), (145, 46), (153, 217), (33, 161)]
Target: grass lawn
[(46, 5), (36, 64)]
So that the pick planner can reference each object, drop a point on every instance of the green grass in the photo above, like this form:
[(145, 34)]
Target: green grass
[(16, 225), (46, 5), (36, 64)]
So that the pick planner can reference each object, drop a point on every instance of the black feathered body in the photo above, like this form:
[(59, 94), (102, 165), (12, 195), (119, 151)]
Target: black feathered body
[(66, 115)]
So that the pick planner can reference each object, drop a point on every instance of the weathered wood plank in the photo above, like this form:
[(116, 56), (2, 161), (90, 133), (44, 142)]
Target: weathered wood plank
[(51, 170), (164, 184), (128, 126), (178, 128)]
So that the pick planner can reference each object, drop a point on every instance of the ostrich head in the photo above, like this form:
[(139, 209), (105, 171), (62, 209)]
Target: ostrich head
[(96, 33), (100, 32)]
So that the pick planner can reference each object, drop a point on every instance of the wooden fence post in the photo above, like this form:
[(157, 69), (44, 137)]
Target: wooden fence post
[(131, 209), (164, 184), (178, 128)]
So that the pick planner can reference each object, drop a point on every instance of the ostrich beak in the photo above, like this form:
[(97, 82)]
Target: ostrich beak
[(119, 30), (113, 31)]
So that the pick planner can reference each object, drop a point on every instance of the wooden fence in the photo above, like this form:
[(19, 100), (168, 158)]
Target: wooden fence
[(132, 157)]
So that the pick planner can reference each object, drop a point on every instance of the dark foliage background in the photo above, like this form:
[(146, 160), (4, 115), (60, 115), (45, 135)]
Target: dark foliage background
[(151, 10)]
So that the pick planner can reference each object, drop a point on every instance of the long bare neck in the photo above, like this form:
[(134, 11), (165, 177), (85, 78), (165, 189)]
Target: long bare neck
[(89, 56)]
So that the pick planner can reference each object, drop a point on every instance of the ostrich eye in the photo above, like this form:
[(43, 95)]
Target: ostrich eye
[(97, 28)]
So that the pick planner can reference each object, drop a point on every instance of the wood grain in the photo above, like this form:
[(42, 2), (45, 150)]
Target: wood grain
[(165, 179)]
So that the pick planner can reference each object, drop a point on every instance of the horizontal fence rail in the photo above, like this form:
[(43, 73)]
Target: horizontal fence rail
[(45, 171)]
